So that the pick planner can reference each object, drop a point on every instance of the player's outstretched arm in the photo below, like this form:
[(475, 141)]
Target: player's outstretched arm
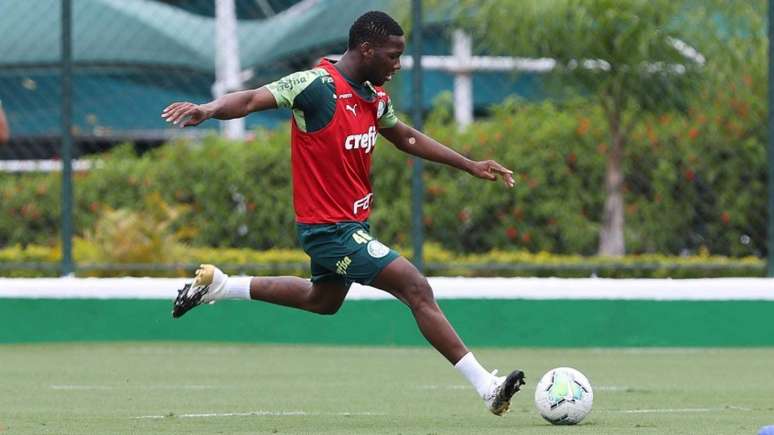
[(229, 106), (414, 142)]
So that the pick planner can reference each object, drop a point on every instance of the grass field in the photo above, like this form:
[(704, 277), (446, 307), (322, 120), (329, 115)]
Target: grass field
[(235, 388)]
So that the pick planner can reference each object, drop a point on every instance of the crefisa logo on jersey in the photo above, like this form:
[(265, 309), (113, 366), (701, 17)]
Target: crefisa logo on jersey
[(365, 140)]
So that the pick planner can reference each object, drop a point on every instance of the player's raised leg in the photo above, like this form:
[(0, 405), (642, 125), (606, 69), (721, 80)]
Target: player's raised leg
[(210, 285), (401, 279)]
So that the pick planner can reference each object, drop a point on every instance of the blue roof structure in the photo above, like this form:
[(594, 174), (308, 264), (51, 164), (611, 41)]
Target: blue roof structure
[(132, 57)]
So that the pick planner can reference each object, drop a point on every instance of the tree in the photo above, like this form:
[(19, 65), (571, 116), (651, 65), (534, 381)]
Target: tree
[(629, 56)]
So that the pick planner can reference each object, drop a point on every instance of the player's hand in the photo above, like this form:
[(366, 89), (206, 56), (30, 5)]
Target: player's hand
[(185, 114), (489, 170)]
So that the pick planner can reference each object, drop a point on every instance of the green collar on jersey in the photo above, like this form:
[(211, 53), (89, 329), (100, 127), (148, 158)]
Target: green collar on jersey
[(365, 90)]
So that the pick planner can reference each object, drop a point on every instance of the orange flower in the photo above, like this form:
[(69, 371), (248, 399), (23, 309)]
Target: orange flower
[(30, 211), (651, 135), (435, 190), (583, 127)]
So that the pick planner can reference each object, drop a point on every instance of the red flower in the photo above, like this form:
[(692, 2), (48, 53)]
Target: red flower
[(511, 233)]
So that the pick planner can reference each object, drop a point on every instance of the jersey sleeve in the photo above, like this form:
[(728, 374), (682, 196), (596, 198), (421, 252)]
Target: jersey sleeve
[(286, 89), (388, 119)]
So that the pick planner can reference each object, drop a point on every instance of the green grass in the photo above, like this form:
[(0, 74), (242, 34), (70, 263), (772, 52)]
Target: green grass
[(168, 387)]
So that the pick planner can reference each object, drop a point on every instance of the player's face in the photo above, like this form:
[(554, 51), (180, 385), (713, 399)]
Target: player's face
[(383, 60)]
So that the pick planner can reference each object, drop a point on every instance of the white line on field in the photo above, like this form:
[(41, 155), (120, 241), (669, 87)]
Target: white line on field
[(133, 387), (676, 410), (611, 388), (260, 414), (80, 387), (442, 387)]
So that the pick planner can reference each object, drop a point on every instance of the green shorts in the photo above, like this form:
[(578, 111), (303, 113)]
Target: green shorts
[(344, 251)]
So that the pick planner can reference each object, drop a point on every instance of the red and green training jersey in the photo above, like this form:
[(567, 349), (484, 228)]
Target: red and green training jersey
[(332, 164)]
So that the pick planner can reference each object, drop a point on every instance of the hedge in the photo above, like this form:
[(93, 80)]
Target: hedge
[(695, 182), (33, 261)]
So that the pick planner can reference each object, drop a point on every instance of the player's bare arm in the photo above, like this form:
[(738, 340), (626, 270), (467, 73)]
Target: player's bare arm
[(414, 142), (229, 106)]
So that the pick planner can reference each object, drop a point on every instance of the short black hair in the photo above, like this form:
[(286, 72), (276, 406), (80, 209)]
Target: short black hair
[(374, 27)]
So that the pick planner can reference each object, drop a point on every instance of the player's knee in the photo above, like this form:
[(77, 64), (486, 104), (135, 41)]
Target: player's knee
[(419, 294), (329, 310), (325, 308)]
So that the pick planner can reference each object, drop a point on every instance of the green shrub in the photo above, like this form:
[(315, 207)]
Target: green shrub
[(440, 262), (694, 183), (128, 236)]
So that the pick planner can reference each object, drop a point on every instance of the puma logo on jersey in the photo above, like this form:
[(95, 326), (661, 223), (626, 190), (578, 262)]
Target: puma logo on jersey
[(365, 141), (352, 108)]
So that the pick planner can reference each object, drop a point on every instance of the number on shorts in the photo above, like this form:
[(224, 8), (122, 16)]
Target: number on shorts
[(361, 237)]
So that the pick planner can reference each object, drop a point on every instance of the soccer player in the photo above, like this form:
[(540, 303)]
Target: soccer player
[(338, 109)]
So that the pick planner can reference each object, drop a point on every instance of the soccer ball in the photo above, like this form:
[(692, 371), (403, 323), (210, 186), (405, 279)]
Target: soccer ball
[(564, 396)]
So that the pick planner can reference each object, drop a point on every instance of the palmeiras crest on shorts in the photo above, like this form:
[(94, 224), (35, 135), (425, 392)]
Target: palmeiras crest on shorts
[(376, 249)]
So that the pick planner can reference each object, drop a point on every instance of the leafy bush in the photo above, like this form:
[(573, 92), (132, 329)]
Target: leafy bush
[(439, 261), (695, 183), (129, 236)]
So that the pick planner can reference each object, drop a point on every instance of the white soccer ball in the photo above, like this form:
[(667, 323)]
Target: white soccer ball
[(564, 396)]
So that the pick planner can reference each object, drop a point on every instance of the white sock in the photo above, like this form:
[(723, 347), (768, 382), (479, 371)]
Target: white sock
[(237, 287), (474, 373)]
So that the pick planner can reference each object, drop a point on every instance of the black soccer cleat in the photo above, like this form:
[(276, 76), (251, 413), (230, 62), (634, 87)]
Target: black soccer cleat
[(205, 288), (187, 299), (499, 399)]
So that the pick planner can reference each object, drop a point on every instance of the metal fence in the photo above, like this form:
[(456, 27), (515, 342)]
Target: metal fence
[(670, 158)]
